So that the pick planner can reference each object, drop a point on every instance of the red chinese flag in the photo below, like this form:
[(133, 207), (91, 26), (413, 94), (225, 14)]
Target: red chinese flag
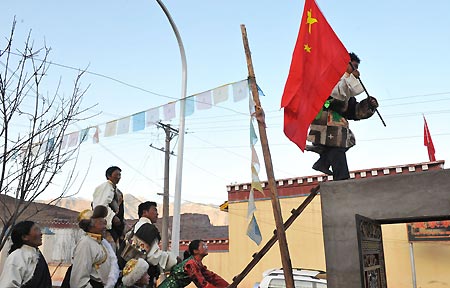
[(427, 141), (318, 62)]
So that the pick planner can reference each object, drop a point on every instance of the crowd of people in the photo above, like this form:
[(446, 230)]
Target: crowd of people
[(102, 257)]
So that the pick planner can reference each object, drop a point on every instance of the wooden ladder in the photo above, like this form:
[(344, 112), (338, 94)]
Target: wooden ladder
[(258, 255)]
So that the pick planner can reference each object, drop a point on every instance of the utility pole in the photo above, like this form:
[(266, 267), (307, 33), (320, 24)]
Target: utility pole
[(170, 134)]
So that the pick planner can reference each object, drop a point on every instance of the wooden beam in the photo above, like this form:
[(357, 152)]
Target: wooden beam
[(258, 256)]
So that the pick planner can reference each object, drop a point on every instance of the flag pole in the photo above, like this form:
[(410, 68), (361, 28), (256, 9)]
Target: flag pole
[(365, 90), (281, 234)]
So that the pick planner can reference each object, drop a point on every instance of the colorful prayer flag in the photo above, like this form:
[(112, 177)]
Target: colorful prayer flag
[(111, 128), (73, 139), (251, 204), (260, 92), (203, 100), (152, 116), (169, 111), (64, 142), (50, 146), (251, 106), (220, 94), (123, 125), (95, 138), (253, 231), (138, 121), (318, 62), (190, 106), (240, 90), (84, 135)]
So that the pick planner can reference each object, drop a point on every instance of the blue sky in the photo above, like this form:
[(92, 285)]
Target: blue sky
[(405, 64)]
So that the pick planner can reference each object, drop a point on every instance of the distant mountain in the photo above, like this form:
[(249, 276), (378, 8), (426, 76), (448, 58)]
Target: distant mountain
[(72, 203), (217, 217)]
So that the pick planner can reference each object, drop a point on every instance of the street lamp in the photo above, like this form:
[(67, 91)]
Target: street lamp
[(177, 200)]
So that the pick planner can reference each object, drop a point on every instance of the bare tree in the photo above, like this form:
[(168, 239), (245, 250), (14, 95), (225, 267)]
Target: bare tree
[(33, 130)]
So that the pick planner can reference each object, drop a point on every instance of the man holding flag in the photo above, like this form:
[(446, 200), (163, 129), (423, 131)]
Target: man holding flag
[(318, 63), (329, 131)]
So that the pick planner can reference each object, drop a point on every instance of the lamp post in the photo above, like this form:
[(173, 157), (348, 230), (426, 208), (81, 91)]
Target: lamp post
[(177, 200)]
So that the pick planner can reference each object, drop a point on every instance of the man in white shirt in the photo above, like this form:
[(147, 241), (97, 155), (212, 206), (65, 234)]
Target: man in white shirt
[(108, 194)]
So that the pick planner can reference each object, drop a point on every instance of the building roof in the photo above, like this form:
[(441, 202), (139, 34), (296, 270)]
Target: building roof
[(44, 214), (194, 226), (298, 186)]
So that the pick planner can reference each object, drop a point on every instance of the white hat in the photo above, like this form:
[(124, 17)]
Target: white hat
[(133, 271)]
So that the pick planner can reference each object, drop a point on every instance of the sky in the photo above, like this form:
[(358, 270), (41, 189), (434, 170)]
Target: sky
[(133, 60)]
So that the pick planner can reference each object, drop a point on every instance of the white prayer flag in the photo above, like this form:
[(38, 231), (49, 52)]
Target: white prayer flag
[(251, 204), (220, 94), (169, 111), (123, 125), (152, 116), (203, 100), (240, 90), (73, 139), (64, 142)]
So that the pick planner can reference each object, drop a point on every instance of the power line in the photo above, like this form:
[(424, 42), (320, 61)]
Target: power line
[(225, 148), (129, 165), (238, 155), (415, 96), (176, 99), (98, 75), (418, 102), (276, 117)]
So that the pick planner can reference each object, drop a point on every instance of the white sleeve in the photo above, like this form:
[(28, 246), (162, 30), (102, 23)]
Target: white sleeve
[(81, 266), (354, 85), (348, 86), (104, 195), (164, 259), (114, 270), (13, 272)]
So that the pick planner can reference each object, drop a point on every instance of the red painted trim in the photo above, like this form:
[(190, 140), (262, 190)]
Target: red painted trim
[(296, 189)]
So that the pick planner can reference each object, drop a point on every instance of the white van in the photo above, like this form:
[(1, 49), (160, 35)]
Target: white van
[(303, 278)]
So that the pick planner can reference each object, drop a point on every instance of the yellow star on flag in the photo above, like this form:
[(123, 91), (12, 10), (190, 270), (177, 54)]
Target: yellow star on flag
[(307, 48)]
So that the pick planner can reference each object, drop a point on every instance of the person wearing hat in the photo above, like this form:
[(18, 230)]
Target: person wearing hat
[(135, 274), (94, 262), (25, 266)]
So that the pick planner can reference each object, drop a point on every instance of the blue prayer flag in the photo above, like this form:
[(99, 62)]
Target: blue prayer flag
[(190, 106), (253, 231), (138, 121)]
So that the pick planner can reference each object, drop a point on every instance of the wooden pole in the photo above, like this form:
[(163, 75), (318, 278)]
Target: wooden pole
[(259, 255), (281, 235)]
